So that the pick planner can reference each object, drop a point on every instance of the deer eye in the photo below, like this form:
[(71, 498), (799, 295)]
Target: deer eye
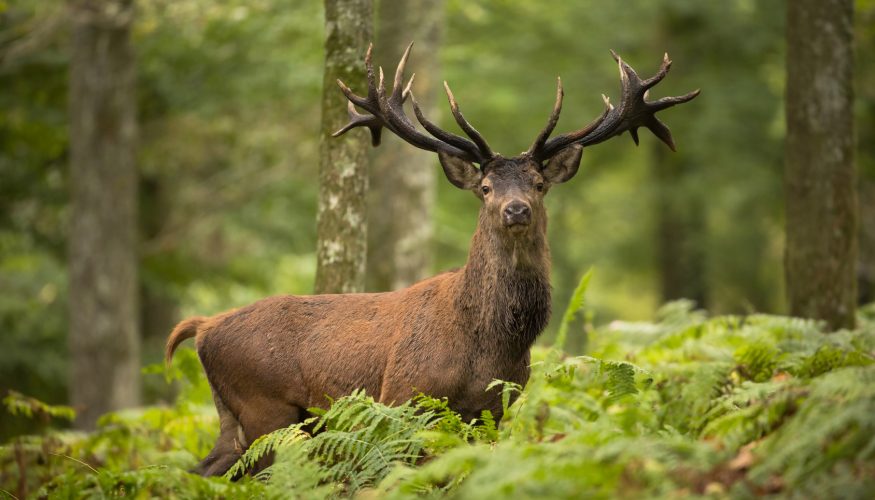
[(539, 186), (485, 189)]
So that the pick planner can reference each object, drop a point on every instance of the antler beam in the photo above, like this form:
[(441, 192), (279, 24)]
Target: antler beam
[(634, 111)]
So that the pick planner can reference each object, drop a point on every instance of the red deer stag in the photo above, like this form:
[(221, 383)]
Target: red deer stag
[(447, 336)]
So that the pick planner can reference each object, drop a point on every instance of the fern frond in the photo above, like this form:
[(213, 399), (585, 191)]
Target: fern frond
[(19, 404), (277, 440), (575, 304), (833, 425), (758, 360)]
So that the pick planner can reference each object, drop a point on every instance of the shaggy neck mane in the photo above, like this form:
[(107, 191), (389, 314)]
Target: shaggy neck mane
[(505, 289)]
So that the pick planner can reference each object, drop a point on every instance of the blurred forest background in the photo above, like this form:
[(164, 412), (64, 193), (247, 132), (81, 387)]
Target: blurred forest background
[(228, 108)]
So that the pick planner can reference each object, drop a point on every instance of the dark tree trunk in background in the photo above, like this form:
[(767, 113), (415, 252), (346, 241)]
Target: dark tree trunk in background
[(866, 270), (680, 225), (104, 341), (819, 176), (678, 210), (159, 308), (402, 196), (865, 123), (343, 170)]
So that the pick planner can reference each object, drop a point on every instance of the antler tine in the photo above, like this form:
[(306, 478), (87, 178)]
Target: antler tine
[(354, 99), (399, 92), (667, 102), (357, 119), (407, 89), (475, 136), (633, 111), (369, 73), (551, 122), (440, 134), (388, 111), (560, 142), (381, 91), (660, 73)]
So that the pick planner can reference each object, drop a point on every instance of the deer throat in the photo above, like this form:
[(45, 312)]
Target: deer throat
[(506, 294)]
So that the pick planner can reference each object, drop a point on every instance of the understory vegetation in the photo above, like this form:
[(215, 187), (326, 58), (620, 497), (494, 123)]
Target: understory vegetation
[(687, 405)]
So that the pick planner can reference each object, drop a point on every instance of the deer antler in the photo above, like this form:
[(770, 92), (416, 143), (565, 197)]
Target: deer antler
[(633, 112), (388, 111)]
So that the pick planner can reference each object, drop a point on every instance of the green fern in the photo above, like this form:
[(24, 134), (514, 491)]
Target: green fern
[(508, 389), (358, 441), (28, 407), (687, 406), (620, 378), (751, 411), (834, 425), (575, 304), (279, 439), (758, 360)]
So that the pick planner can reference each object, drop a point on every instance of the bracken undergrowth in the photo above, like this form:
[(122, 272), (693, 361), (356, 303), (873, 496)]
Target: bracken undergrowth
[(688, 405)]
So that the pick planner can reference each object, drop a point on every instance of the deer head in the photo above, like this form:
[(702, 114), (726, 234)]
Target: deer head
[(511, 189)]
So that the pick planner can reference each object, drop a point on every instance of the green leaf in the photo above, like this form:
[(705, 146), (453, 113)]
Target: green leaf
[(574, 305)]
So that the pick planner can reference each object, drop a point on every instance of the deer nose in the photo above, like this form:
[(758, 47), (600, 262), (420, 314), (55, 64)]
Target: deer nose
[(517, 212)]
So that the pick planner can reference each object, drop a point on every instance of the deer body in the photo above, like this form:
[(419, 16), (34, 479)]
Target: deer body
[(447, 336), (443, 336)]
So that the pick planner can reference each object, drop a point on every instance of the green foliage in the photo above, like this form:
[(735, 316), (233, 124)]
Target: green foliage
[(575, 304), (139, 450), (832, 430), (19, 404), (689, 405), (357, 442)]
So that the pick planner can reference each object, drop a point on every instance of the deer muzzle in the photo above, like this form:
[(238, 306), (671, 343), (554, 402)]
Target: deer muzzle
[(516, 213)]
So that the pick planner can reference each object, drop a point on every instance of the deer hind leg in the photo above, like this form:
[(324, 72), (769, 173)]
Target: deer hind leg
[(228, 447), (264, 416)]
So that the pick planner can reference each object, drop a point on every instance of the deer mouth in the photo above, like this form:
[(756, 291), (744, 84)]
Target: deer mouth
[(516, 226)]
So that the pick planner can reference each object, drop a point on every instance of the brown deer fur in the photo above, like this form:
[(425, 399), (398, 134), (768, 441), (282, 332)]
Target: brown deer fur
[(447, 336)]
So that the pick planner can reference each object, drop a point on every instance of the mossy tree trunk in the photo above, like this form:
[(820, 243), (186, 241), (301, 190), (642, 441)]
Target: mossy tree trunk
[(819, 175), (343, 170), (104, 339), (403, 178)]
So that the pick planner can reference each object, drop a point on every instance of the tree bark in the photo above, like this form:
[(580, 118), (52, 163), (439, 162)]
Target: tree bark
[(403, 181), (343, 170), (865, 123), (866, 270), (104, 341), (819, 175)]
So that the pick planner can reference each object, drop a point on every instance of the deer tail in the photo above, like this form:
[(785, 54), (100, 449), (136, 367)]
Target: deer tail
[(186, 329)]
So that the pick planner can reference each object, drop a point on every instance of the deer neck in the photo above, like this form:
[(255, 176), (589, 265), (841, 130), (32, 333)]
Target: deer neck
[(505, 289)]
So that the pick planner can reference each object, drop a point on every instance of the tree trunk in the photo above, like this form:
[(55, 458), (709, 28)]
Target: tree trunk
[(680, 225), (865, 123), (819, 176), (159, 309), (343, 170), (866, 271), (402, 196), (104, 342)]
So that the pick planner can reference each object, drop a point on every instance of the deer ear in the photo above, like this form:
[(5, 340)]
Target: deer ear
[(462, 173), (563, 165)]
